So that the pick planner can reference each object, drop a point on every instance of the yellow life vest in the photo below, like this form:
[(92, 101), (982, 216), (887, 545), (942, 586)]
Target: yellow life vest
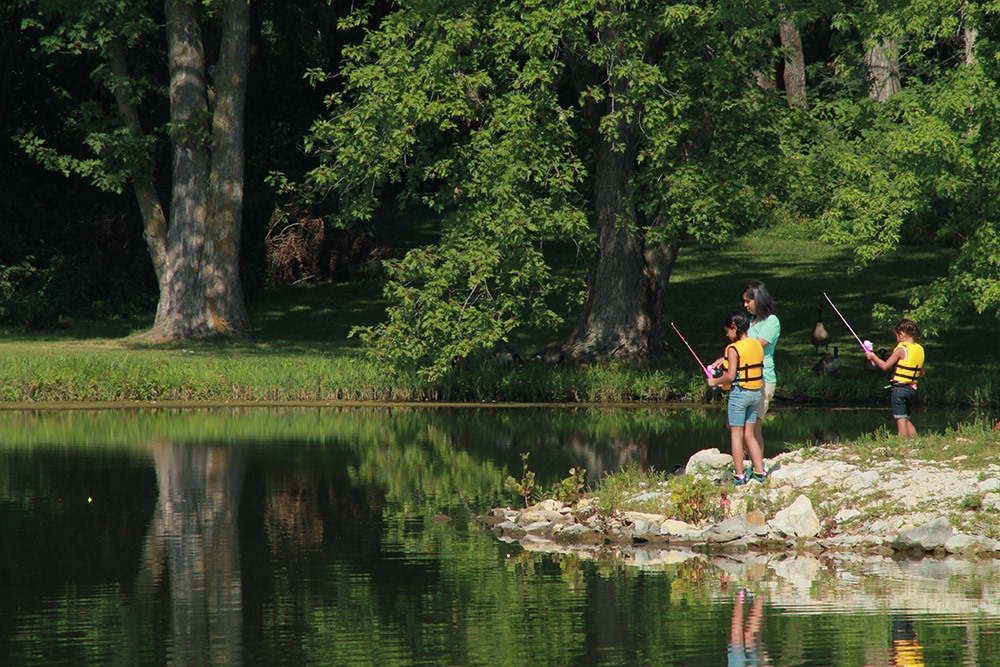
[(750, 356), (909, 370)]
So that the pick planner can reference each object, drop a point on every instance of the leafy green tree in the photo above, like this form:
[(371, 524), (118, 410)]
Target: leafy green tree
[(626, 128), (921, 164), (194, 242)]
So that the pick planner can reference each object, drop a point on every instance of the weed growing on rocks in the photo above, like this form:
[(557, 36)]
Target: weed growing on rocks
[(695, 500), (632, 489)]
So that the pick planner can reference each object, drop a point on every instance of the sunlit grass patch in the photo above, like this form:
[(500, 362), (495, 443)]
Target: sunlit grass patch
[(968, 445), (981, 522), (632, 489)]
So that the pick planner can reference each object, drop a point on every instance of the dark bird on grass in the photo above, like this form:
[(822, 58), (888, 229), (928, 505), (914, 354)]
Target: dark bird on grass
[(820, 337), (506, 355), (828, 364), (553, 356), (882, 354)]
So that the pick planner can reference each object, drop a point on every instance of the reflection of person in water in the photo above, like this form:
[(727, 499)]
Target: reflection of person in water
[(906, 650), (746, 647)]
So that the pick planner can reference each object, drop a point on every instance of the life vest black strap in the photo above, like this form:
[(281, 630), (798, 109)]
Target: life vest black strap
[(743, 373), (905, 372)]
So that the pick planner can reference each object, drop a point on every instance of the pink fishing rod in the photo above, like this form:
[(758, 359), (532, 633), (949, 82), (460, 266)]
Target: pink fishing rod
[(865, 345), (705, 368)]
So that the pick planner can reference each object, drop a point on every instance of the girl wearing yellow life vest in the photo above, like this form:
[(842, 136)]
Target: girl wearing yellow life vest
[(908, 359), (743, 375)]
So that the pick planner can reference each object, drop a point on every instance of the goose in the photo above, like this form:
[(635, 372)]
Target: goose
[(820, 336), (828, 364), (506, 355), (552, 356)]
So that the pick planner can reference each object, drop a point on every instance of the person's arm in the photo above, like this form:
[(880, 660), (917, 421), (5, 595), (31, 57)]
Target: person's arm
[(729, 375), (769, 331), (897, 354)]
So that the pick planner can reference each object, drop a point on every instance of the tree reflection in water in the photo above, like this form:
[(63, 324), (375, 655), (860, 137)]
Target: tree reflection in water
[(193, 540)]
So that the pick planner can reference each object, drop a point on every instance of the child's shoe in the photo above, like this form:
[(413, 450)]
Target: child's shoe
[(739, 480), (758, 476)]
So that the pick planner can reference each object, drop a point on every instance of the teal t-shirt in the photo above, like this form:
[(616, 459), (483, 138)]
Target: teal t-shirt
[(769, 330)]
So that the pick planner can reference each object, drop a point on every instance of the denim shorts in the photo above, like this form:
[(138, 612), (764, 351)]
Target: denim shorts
[(743, 405), (902, 396)]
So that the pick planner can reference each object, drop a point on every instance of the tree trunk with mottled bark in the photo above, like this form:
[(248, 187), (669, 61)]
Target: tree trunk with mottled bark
[(150, 207), (882, 61), (795, 64), (201, 295), (622, 316), (969, 34)]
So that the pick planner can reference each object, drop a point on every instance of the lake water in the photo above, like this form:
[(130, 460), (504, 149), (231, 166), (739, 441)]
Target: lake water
[(346, 536)]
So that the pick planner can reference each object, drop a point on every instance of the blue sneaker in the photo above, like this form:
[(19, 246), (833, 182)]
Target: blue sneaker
[(739, 480), (758, 476)]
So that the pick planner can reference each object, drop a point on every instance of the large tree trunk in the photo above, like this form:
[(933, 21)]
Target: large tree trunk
[(622, 317), (795, 63), (225, 213), (882, 61), (200, 290), (614, 323)]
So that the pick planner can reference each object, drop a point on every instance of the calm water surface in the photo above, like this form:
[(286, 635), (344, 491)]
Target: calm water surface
[(346, 536)]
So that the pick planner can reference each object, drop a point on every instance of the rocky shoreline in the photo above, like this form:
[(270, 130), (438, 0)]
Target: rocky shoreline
[(886, 509)]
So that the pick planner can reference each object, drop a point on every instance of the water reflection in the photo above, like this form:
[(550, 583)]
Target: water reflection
[(906, 648), (746, 646), (308, 536), (599, 439), (193, 540)]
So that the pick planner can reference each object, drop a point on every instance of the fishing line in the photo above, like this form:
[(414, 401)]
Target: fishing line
[(705, 368), (865, 345)]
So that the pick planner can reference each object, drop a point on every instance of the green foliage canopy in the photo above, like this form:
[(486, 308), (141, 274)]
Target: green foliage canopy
[(489, 113), (923, 166)]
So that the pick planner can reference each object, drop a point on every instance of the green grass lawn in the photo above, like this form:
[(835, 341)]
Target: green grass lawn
[(303, 351)]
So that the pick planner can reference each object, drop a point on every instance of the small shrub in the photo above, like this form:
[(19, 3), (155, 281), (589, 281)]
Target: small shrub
[(972, 502), (570, 489), (695, 499), (525, 487)]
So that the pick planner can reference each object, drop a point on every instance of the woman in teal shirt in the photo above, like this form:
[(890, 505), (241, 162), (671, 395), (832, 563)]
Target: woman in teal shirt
[(765, 327)]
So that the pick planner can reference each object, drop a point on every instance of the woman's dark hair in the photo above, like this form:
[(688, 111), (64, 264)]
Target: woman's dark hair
[(763, 303), (740, 319)]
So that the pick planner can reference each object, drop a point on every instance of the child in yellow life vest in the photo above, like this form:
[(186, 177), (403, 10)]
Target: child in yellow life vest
[(908, 358), (743, 370)]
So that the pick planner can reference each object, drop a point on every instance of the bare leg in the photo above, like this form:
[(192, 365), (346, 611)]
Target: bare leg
[(736, 444), (766, 394), (753, 448), (758, 435), (905, 428)]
